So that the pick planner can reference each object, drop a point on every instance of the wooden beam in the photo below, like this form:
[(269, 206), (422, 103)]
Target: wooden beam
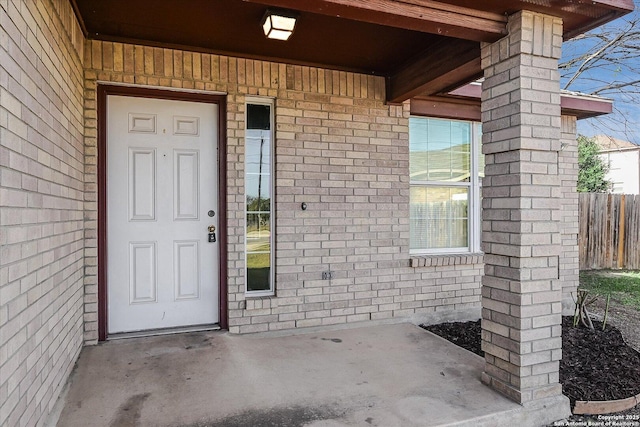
[(578, 105), (464, 104), (446, 108), (418, 15), (440, 69)]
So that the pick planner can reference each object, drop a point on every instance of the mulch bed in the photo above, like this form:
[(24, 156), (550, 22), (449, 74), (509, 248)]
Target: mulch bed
[(596, 365)]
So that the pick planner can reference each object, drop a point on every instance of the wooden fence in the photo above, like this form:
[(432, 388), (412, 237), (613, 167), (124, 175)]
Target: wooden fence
[(609, 233)]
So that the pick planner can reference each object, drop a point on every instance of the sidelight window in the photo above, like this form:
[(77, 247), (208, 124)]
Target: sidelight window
[(259, 197)]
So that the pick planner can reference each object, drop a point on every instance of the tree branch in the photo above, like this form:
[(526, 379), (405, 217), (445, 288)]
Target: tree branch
[(591, 57)]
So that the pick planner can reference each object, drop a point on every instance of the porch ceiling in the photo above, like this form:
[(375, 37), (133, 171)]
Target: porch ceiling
[(422, 47)]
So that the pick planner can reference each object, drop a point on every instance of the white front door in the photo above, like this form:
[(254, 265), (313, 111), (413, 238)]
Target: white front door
[(162, 186)]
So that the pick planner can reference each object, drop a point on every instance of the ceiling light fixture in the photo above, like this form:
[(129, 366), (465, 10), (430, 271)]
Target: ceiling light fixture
[(278, 24)]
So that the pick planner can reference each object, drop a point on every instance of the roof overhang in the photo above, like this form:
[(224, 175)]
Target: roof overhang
[(420, 46), (584, 106), (464, 103)]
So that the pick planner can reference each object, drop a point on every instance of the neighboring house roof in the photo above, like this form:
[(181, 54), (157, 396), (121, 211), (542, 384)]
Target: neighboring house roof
[(609, 143)]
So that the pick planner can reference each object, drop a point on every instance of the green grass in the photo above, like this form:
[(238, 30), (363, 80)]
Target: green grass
[(258, 260), (624, 286), (258, 271)]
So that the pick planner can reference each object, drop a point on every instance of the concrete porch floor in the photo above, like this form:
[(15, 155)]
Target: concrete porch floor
[(389, 375)]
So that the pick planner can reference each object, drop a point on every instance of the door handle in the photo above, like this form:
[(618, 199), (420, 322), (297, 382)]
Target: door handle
[(212, 234)]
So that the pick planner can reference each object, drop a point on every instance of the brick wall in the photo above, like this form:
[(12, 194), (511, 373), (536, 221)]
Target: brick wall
[(41, 209), (568, 171), (341, 150)]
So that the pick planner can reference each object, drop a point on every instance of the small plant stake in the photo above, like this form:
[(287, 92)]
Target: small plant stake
[(606, 312)]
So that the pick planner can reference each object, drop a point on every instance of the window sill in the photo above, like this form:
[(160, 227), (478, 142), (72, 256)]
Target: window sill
[(449, 259), (255, 302), (261, 294)]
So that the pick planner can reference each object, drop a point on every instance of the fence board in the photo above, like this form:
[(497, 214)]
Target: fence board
[(609, 231)]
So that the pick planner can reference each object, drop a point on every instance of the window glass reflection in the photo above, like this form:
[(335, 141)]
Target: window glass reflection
[(440, 150), (439, 217)]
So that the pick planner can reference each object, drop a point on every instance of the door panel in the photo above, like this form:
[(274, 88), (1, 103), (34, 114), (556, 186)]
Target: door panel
[(185, 185), (161, 182), (186, 269), (142, 182)]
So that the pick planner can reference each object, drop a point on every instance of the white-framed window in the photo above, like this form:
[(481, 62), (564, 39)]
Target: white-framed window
[(446, 168), (259, 190)]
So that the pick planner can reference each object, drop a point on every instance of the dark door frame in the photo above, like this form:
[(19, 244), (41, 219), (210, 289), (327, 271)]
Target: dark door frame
[(105, 90)]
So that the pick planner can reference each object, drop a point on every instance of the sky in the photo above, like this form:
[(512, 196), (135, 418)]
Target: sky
[(620, 64)]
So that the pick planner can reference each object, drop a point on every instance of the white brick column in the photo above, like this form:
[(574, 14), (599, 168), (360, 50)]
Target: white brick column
[(522, 290)]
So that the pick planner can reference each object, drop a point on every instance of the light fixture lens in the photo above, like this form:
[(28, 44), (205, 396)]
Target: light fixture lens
[(267, 26), (283, 23), (277, 26), (279, 34)]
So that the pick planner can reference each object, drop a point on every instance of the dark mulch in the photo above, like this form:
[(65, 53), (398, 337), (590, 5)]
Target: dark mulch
[(467, 335), (596, 365)]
